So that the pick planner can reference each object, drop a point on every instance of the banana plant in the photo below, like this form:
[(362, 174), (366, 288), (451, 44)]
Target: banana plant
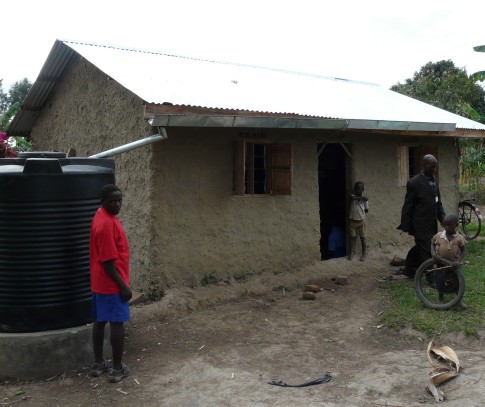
[(472, 113), (480, 75), (472, 157), (7, 116)]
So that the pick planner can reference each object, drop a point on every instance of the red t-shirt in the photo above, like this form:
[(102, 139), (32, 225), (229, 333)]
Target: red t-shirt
[(108, 242)]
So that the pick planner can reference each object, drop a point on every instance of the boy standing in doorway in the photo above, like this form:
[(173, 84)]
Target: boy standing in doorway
[(359, 206)]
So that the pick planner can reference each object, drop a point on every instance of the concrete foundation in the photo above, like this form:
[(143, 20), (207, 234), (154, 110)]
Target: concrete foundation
[(40, 355)]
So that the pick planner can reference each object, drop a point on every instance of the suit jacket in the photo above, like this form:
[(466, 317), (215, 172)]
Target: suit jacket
[(421, 209)]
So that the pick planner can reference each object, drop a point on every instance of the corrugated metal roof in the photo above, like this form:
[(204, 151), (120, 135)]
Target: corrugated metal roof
[(162, 78)]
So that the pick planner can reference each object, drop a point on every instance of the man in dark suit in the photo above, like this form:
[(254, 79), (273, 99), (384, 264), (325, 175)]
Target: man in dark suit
[(422, 206)]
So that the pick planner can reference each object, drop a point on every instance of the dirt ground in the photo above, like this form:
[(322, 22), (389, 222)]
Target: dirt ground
[(221, 344)]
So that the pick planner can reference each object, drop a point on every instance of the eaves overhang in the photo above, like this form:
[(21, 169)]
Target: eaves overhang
[(233, 121)]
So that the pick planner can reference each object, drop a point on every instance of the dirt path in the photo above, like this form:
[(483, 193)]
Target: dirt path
[(220, 345)]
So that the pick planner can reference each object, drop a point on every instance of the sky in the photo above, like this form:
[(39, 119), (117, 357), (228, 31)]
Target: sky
[(383, 42)]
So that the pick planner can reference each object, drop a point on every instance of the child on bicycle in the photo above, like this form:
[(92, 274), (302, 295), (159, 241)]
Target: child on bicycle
[(449, 245), (359, 206)]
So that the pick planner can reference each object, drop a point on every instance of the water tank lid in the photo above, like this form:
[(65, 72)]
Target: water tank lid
[(42, 154)]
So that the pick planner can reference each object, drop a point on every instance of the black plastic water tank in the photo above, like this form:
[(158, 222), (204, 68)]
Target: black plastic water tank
[(47, 202)]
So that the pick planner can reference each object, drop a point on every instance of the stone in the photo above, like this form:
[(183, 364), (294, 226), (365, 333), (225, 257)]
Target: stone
[(312, 288), (342, 280), (308, 295)]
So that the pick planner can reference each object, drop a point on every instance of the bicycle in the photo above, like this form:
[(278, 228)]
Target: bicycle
[(438, 285), (469, 218)]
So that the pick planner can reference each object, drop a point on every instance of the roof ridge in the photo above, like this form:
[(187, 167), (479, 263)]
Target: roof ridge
[(220, 62)]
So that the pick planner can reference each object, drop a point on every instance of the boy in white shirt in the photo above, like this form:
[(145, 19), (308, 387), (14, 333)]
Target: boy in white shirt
[(359, 206)]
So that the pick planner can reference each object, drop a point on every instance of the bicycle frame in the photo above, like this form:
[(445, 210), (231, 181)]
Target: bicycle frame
[(469, 214)]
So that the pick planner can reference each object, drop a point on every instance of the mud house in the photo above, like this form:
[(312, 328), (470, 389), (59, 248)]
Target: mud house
[(258, 164)]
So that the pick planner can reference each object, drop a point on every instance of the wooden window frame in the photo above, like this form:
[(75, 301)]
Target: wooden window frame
[(262, 168), (409, 161)]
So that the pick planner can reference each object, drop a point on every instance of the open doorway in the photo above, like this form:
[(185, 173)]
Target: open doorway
[(332, 199)]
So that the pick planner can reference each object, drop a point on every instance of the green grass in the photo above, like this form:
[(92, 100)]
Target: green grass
[(472, 228), (405, 309), (242, 276), (210, 278)]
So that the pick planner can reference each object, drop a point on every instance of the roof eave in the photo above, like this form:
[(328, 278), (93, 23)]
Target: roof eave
[(168, 120)]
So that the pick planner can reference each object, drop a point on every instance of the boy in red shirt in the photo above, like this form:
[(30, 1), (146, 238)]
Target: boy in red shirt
[(110, 283)]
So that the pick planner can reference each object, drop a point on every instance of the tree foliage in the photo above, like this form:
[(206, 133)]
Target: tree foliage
[(16, 94), (472, 164), (3, 98), (19, 91), (9, 105), (446, 86), (480, 75)]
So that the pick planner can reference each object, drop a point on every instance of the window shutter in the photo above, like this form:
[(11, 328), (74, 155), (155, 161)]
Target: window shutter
[(238, 167), (280, 169), (402, 165), (249, 168)]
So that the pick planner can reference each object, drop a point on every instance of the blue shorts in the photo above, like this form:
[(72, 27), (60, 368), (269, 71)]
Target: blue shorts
[(109, 308)]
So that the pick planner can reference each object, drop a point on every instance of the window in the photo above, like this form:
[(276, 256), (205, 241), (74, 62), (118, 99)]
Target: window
[(409, 161), (262, 168)]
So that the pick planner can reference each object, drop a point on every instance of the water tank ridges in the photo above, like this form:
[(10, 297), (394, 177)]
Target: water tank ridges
[(47, 204), (44, 252)]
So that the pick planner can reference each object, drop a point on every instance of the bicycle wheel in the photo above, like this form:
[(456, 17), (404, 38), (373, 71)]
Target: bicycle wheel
[(438, 286), (470, 220)]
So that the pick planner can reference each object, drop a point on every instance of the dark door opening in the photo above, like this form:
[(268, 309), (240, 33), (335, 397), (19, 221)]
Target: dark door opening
[(331, 187)]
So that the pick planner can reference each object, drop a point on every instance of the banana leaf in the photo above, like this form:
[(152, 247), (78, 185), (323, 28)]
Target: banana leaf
[(7, 116), (478, 76)]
